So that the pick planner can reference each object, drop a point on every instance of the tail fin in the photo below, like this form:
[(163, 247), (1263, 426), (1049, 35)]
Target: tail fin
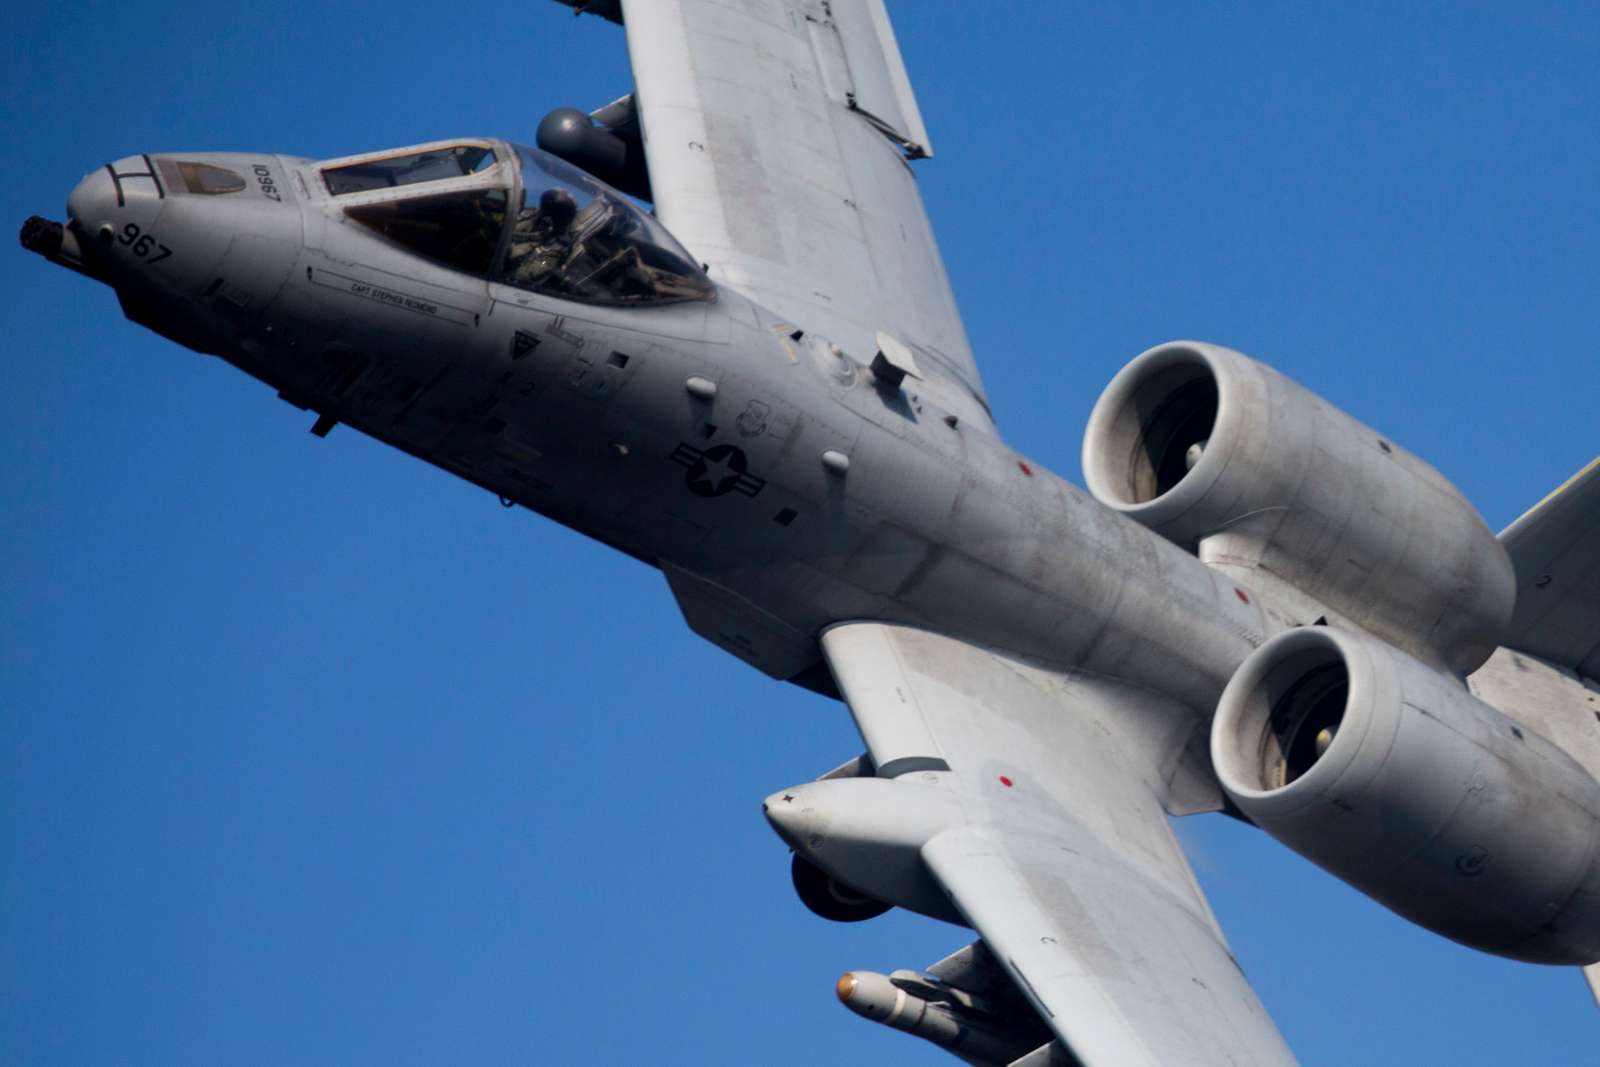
[(1555, 548)]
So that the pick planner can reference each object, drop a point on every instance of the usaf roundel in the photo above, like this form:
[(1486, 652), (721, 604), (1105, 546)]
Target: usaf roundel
[(719, 469)]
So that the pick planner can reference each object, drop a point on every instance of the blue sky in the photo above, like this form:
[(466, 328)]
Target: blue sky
[(314, 755)]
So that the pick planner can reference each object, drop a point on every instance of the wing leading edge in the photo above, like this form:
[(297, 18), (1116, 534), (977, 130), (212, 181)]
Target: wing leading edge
[(777, 135), (1062, 859)]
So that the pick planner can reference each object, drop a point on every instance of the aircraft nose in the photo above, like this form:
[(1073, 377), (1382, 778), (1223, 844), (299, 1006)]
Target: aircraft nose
[(105, 205), (121, 197), (93, 201), (195, 249)]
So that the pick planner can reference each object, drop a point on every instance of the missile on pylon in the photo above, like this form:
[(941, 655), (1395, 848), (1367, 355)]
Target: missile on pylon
[(929, 1009)]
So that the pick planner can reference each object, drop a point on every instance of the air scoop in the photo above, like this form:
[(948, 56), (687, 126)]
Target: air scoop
[(55, 242)]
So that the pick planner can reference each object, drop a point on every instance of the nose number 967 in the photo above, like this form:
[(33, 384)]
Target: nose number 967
[(143, 244)]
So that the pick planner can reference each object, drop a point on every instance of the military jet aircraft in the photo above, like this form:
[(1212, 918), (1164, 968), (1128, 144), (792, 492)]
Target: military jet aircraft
[(1040, 676)]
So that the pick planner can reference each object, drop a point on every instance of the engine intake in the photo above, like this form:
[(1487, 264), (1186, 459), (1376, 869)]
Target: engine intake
[(1395, 779), (1281, 490)]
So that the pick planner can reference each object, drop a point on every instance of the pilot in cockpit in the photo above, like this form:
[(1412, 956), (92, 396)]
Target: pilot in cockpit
[(573, 237), (542, 239)]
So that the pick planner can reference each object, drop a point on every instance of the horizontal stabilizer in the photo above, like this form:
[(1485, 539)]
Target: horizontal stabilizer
[(1555, 548)]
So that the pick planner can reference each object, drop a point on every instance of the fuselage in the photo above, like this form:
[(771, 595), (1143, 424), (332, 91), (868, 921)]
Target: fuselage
[(782, 481), (779, 483)]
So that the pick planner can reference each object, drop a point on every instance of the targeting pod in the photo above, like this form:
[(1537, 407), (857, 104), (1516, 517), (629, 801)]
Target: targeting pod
[(610, 150)]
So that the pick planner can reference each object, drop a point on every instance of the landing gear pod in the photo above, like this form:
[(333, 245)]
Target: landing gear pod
[(831, 899), (866, 834), (1395, 779)]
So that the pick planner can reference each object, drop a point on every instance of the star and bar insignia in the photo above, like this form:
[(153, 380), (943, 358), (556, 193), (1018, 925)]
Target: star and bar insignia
[(718, 470)]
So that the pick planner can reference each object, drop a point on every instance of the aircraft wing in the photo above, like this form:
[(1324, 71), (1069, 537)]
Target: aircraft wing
[(777, 136), (1555, 548), (1065, 862)]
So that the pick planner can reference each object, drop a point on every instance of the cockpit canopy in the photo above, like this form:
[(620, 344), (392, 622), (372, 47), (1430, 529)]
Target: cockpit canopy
[(410, 168), (518, 216)]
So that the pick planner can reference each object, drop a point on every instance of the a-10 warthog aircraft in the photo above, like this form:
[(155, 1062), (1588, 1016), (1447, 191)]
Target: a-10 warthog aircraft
[(763, 388)]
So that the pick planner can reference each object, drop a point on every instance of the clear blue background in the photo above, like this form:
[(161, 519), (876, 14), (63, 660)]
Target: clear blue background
[(313, 754)]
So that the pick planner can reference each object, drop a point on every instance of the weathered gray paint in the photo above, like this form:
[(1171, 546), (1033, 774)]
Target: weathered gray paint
[(1042, 629)]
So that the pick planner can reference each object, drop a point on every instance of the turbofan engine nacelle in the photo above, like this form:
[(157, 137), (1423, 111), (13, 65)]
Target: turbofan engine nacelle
[(1275, 486), (1395, 779)]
